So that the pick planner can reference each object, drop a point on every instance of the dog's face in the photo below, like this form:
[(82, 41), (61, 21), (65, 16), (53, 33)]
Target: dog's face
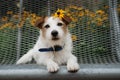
[(53, 28)]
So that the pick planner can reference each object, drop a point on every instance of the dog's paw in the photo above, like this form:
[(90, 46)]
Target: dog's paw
[(52, 67), (20, 62), (24, 60), (73, 67)]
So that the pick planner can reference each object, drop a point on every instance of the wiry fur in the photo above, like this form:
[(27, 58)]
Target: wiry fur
[(52, 59)]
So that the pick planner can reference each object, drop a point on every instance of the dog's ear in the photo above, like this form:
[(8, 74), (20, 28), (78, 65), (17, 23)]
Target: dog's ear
[(66, 19), (39, 22)]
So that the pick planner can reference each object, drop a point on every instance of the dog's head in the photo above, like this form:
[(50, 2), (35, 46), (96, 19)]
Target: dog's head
[(53, 28)]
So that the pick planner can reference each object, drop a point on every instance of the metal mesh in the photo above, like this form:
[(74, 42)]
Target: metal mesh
[(8, 36), (93, 42)]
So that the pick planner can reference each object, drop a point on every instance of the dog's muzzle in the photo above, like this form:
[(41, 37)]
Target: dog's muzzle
[(54, 34)]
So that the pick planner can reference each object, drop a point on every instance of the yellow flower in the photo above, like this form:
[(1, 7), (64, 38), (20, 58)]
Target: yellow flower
[(106, 7), (33, 15), (38, 17), (92, 14), (60, 13), (74, 37), (16, 16), (74, 19), (99, 19), (6, 25), (99, 23), (74, 7), (67, 9), (9, 12), (4, 18), (21, 23), (33, 22), (100, 12), (68, 14), (118, 9), (80, 8), (105, 18), (25, 14), (72, 25), (87, 12), (81, 13)]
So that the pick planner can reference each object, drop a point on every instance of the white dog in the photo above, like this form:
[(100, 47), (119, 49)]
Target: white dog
[(54, 45)]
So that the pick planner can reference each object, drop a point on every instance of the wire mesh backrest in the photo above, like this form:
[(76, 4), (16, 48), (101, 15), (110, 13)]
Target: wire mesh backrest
[(92, 35)]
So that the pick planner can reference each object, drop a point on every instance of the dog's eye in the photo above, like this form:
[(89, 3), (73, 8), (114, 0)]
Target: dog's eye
[(47, 26), (60, 24)]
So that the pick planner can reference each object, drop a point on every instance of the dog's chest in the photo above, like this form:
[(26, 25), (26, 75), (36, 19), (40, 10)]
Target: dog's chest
[(60, 57)]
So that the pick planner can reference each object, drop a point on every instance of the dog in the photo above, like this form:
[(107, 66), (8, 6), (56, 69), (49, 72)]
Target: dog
[(54, 45)]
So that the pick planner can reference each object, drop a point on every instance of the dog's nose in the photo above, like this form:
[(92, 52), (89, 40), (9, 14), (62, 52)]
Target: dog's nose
[(54, 33)]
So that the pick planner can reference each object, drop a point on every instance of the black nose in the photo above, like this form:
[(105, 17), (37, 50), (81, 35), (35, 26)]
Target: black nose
[(54, 33)]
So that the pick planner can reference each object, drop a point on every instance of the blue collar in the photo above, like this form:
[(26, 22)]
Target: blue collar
[(55, 48)]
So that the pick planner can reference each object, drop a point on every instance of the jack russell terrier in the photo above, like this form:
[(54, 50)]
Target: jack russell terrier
[(54, 45)]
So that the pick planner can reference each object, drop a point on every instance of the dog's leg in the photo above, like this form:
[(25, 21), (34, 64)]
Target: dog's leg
[(46, 59), (26, 57), (72, 64), (52, 66)]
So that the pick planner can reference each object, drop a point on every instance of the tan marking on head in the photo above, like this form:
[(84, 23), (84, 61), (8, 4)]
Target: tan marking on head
[(65, 28), (43, 32), (44, 29), (39, 22), (66, 19)]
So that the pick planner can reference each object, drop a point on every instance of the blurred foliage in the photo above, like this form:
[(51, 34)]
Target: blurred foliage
[(118, 9)]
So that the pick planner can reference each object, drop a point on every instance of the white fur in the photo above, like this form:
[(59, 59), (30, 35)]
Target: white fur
[(52, 59)]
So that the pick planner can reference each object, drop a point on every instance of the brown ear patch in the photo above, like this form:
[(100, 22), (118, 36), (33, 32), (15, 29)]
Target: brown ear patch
[(39, 22), (66, 19)]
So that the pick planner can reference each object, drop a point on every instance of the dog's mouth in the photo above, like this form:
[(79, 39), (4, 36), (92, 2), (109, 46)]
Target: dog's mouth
[(55, 38)]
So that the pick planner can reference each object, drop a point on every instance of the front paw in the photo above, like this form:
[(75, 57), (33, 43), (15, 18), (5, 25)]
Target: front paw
[(24, 60), (21, 61), (52, 67), (73, 67)]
